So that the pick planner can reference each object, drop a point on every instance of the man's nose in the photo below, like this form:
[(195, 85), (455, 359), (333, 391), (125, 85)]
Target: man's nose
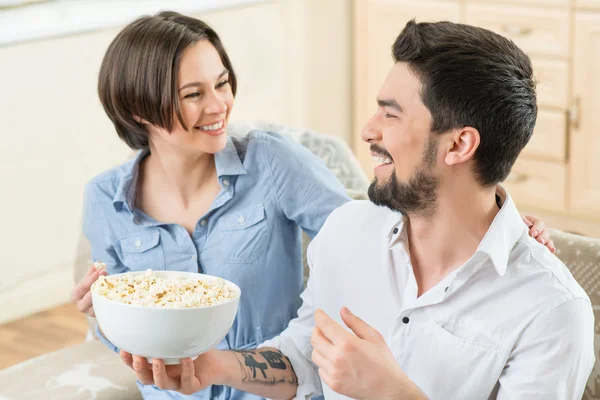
[(370, 133)]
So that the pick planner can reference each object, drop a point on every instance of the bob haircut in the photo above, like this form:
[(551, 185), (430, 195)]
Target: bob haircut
[(138, 75)]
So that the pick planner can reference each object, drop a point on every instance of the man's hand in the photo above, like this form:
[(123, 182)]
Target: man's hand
[(361, 366), (265, 372), (184, 378), (81, 295), (538, 231)]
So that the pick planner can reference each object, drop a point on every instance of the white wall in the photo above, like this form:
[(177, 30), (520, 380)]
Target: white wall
[(293, 63)]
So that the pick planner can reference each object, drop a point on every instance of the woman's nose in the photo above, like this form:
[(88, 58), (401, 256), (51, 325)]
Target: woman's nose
[(215, 104)]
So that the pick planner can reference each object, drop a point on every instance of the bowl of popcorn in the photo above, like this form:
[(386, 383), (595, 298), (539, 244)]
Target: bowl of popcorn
[(168, 315)]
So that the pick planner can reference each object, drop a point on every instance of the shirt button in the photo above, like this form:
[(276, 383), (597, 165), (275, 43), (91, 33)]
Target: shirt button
[(241, 219), (395, 230), (138, 243), (194, 257), (225, 182), (203, 222), (405, 320), (445, 290)]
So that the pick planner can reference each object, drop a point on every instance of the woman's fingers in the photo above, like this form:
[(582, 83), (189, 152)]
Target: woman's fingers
[(538, 231), (537, 228), (81, 295), (543, 237), (85, 304), (83, 286)]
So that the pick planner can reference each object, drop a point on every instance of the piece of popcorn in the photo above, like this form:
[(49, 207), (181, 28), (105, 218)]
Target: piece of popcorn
[(99, 265)]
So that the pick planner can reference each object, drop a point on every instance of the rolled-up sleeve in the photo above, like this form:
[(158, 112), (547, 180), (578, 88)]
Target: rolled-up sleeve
[(294, 341), (554, 357), (94, 229), (306, 190)]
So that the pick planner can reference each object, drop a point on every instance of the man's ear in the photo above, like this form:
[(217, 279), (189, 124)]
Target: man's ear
[(140, 120), (462, 146)]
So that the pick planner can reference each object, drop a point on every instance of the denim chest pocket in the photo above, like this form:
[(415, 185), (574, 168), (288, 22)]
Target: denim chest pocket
[(142, 251), (244, 234)]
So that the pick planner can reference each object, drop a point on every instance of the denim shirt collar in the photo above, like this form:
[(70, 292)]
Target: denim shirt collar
[(227, 162)]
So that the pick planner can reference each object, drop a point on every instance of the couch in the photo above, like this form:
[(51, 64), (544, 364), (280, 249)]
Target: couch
[(91, 371)]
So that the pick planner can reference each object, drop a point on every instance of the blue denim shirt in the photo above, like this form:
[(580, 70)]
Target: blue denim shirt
[(271, 190)]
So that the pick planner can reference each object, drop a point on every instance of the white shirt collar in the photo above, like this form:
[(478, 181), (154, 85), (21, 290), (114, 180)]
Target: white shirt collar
[(502, 235)]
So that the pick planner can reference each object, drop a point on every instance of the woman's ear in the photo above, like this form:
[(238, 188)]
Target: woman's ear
[(464, 143), (140, 120)]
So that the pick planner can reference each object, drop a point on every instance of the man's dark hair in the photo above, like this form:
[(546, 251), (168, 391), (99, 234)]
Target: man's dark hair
[(473, 77), (139, 72)]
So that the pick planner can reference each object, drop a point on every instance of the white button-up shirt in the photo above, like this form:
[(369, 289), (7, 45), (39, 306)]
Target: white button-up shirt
[(511, 323)]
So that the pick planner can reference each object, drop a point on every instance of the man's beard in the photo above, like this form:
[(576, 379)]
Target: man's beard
[(418, 196)]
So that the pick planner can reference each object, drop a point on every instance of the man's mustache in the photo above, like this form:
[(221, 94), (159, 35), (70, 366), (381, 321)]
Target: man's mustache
[(380, 150)]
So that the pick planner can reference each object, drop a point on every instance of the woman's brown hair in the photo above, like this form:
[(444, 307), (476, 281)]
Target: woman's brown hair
[(138, 76)]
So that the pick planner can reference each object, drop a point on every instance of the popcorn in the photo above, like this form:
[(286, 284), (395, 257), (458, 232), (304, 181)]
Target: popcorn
[(151, 291), (99, 265)]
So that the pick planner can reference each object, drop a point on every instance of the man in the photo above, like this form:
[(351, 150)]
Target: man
[(449, 296)]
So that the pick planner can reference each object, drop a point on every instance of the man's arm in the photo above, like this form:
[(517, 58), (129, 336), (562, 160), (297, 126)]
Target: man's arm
[(554, 356), (265, 372)]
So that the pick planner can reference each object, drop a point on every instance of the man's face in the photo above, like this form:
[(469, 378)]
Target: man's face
[(402, 146)]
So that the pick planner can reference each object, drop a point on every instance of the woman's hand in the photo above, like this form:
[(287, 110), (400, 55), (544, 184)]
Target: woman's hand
[(538, 231), (81, 294)]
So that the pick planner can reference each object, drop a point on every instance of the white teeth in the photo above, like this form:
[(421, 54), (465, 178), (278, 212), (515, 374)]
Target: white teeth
[(381, 160), (212, 127)]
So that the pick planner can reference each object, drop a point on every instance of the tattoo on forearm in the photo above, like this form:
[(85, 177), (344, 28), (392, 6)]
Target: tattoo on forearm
[(251, 362), (274, 358), (266, 367)]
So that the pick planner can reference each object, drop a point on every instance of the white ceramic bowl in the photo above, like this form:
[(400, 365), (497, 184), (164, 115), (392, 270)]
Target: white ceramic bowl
[(169, 334)]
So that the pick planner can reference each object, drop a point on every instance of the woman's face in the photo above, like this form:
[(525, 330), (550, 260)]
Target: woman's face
[(205, 99)]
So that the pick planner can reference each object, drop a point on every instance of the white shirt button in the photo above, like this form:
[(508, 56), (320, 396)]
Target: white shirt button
[(203, 222), (241, 219), (225, 182), (194, 257), (138, 243)]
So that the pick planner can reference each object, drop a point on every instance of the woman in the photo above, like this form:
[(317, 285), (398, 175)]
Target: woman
[(194, 199)]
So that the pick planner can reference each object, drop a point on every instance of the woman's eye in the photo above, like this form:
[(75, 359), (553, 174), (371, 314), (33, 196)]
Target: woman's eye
[(192, 95), (223, 83)]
